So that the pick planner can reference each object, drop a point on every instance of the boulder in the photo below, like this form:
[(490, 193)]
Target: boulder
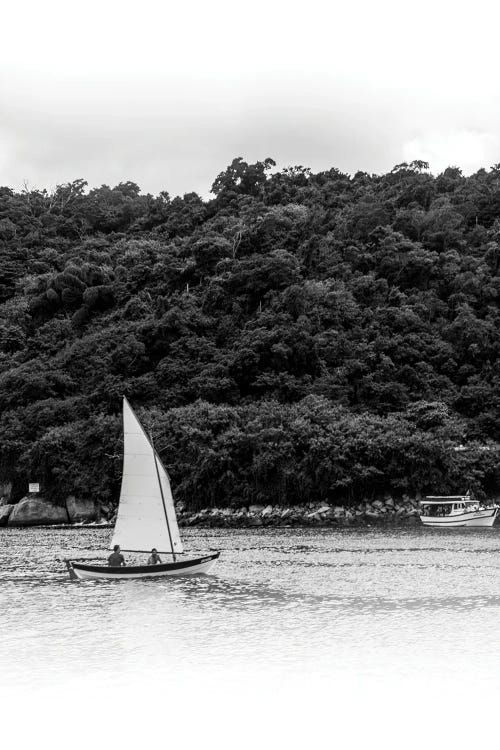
[(255, 521), (315, 517), (327, 514), (81, 510), (310, 513), (35, 511), (256, 508), (5, 511)]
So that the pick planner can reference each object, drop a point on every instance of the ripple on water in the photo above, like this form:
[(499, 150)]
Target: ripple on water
[(286, 600)]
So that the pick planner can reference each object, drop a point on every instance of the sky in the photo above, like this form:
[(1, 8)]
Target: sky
[(166, 94)]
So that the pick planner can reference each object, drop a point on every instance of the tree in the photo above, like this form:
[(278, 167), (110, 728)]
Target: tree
[(298, 336), (241, 178)]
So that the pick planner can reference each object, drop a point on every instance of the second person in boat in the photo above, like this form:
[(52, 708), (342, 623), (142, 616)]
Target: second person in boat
[(154, 558)]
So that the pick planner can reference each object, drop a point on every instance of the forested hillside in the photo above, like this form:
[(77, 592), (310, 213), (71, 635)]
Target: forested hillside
[(297, 337)]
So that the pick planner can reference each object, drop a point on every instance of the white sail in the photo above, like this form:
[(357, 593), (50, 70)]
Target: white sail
[(141, 522)]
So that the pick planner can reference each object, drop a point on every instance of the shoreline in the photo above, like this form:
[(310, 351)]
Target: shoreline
[(211, 524), (310, 515), (387, 512)]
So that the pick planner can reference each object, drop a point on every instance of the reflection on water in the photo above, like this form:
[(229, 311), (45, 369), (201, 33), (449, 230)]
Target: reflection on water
[(293, 605)]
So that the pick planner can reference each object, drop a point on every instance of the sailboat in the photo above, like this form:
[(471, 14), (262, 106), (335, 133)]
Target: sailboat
[(146, 516)]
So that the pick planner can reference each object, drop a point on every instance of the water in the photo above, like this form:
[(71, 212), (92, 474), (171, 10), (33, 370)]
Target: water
[(355, 638)]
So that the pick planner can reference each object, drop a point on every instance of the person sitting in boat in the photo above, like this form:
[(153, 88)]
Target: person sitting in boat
[(116, 559), (154, 558)]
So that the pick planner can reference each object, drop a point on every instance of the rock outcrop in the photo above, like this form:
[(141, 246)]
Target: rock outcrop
[(80, 510), (387, 511), (35, 511), (5, 511)]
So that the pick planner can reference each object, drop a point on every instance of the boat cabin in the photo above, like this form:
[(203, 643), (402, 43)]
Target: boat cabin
[(448, 505)]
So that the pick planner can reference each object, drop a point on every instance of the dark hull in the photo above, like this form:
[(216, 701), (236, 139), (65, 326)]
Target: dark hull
[(194, 566)]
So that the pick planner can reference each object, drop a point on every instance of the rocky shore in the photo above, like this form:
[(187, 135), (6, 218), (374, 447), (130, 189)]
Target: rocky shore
[(34, 510), (388, 510)]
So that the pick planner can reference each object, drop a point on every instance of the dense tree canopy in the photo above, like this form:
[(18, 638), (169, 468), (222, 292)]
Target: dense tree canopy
[(297, 337)]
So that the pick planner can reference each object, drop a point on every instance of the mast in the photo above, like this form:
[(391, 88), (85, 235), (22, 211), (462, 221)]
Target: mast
[(162, 496)]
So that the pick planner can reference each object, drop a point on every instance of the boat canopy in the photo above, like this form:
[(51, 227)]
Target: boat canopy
[(443, 499)]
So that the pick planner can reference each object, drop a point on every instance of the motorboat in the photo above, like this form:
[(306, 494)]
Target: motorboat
[(456, 510)]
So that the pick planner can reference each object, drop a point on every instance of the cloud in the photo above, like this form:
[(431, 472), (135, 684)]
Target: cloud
[(470, 150), (168, 94)]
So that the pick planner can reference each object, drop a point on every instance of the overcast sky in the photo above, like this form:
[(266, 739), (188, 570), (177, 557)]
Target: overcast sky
[(167, 94)]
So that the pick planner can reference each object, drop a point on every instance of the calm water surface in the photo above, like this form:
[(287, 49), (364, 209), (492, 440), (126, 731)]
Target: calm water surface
[(319, 626)]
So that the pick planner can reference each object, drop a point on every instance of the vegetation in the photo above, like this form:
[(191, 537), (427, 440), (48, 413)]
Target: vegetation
[(297, 337)]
